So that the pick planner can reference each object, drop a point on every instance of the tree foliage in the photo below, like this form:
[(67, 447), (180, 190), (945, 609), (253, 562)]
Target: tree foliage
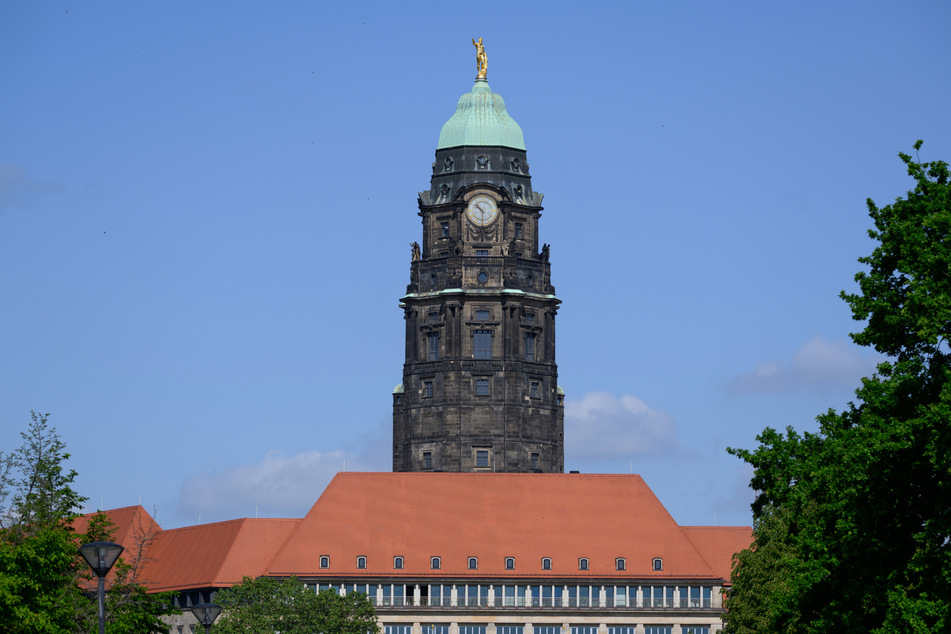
[(288, 606), (852, 524), (44, 581)]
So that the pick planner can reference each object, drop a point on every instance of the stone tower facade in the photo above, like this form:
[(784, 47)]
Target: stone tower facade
[(480, 384)]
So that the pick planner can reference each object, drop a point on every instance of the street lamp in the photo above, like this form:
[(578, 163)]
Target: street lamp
[(101, 556), (206, 613)]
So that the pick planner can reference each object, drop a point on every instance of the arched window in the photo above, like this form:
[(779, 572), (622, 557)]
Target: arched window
[(510, 563), (434, 563), (324, 561), (473, 563), (658, 564), (546, 563), (398, 563), (361, 562), (583, 563), (620, 563)]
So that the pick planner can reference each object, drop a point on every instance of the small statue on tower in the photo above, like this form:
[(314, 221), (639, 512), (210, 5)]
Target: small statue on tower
[(481, 61)]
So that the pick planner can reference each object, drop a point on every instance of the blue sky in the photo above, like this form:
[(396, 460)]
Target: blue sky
[(205, 212)]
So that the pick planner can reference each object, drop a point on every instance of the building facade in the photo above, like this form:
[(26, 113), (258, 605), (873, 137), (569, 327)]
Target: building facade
[(480, 383)]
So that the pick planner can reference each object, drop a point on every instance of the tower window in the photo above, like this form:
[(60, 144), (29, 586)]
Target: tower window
[(529, 346), (361, 562), (534, 461), (533, 389), (433, 346), (433, 318), (482, 277), (482, 254), (482, 458), (482, 387), (482, 314), (434, 563), (546, 563), (473, 563), (518, 230), (510, 563), (529, 318), (427, 389), (444, 228), (583, 563), (482, 344), (427, 460)]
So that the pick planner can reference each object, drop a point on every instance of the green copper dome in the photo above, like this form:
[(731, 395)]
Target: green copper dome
[(481, 119)]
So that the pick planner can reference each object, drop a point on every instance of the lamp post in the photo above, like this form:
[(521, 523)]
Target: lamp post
[(101, 556), (206, 613)]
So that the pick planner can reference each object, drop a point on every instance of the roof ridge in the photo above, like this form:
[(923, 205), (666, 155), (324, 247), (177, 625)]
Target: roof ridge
[(300, 522), (234, 539)]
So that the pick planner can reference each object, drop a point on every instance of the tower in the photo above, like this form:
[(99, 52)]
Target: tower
[(480, 384)]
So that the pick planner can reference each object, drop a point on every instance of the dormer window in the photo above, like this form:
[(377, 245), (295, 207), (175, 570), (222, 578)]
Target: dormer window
[(434, 563), (397, 563), (583, 563), (473, 563), (657, 564), (620, 564), (510, 563), (324, 561), (546, 563), (361, 562)]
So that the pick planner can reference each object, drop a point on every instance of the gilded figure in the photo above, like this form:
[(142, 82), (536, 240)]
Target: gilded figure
[(481, 61)]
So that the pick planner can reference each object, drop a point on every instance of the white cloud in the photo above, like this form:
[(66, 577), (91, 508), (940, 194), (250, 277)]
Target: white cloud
[(817, 364), (278, 486), (602, 425), (16, 186)]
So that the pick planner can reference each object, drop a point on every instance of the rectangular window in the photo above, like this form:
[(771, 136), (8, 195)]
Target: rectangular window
[(482, 344), (533, 389), (433, 318), (440, 595), (427, 389), (535, 461), (427, 460), (482, 387), (529, 318), (444, 227), (397, 629), (547, 629), (529, 346), (695, 629), (482, 458), (482, 314), (509, 629), (432, 352), (471, 629), (621, 630), (482, 254), (518, 230), (661, 629), (436, 629), (584, 629)]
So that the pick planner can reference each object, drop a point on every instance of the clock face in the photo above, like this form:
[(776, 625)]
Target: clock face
[(482, 210)]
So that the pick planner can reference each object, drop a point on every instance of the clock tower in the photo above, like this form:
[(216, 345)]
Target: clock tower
[(480, 384)]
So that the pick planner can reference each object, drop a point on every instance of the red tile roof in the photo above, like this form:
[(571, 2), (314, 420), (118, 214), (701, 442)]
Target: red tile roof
[(717, 544), (214, 555), (492, 516), (132, 527)]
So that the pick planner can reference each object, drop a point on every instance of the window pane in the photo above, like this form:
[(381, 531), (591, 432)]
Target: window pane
[(482, 458), (482, 344), (482, 315), (482, 387), (433, 348), (529, 346)]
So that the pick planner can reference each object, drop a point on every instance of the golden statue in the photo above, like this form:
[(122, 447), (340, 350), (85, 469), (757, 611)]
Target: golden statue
[(481, 61)]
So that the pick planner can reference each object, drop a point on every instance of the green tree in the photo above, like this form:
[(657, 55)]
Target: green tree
[(288, 606), (39, 565), (44, 582), (852, 524)]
